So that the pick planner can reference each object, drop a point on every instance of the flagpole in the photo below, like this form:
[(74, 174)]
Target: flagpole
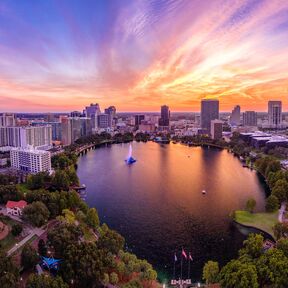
[(174, 267), (181, 268), (189, 268)]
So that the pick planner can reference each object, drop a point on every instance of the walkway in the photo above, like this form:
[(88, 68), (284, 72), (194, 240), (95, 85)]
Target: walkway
[(281, 212), (34, 232)]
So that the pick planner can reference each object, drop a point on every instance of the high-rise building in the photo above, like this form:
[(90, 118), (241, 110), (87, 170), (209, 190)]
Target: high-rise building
[(39, 137), (30, 160), (275, 114), (104, 121), (235, 116), (80, 126), (138, 119), (7, 120), (250, 118), (73, 128), (56, 128), (209, 112), (66, 137), (164, 120), (216, 129), (92, 112), (111, 111)]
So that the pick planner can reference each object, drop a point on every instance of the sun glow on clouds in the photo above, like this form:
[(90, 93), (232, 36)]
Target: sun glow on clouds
[(140, 54)]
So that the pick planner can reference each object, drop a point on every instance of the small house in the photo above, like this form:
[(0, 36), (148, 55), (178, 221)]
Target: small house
[(15, 207)]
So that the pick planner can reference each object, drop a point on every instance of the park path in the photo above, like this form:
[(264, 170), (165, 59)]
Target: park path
[(281, 212), (33, 232)]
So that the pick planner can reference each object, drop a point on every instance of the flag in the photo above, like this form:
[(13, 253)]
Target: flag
[(190, 257), (175, 257), (184, 253)]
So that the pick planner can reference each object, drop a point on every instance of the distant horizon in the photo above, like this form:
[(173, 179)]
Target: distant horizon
[(128, 112)]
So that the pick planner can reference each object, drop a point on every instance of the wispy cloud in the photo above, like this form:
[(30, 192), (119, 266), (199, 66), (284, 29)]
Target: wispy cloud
[(140, 54)]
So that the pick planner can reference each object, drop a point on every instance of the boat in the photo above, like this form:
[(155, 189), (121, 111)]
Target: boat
[(130, 160), (204, 192)]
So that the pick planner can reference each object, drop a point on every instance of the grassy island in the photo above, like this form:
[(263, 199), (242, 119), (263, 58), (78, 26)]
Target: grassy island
[(263, 221)]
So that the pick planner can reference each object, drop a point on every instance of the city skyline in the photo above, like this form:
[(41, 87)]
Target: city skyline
[(139, 55)]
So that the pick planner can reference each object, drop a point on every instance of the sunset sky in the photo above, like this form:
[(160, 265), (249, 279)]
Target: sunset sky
[(140, 54)]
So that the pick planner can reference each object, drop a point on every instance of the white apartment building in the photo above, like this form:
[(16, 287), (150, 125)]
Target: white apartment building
[(39, 137), (30, 160), (7, 120)]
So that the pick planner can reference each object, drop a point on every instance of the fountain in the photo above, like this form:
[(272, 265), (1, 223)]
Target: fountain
[(130, 160)]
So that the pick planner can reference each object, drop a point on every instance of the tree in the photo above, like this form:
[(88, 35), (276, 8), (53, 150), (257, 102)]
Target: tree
[(210, 272), (280, 230), (250, 205), (253, 246), (60, 181), (282, 244), (272, 269), (63, 235), (236, 274), (280, 190), (111, 241), (92, 218), (16, 229), (105, 280), (38, 180), (68, 216), (9, 273), (272, 203), (133, 284), (29, 257), (273, 166), (45, 281), (84, 264), (9, 192), (36, 213), (42, 248), (114, 278)]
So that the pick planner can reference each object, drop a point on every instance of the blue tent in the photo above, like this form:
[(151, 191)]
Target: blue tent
[(50, 263)]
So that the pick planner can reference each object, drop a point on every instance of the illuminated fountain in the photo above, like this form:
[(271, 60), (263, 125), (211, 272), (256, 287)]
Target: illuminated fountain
[(130, 159)]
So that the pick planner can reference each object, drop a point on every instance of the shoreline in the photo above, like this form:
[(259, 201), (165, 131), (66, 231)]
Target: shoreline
[(243, 217), (256, 228)]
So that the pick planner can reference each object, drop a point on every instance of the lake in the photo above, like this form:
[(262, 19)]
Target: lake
[(158, 206)]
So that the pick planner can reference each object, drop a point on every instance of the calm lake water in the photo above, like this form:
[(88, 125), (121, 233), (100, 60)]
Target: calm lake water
[(157, 204)]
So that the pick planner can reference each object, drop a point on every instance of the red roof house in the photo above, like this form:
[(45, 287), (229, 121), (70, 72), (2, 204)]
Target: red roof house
[(15, 207)]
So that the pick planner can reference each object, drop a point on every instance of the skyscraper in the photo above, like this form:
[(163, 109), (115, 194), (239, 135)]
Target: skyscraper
[(92, 112), (235, 116), (209, 112), (111, 112), (164, 120), (250, 118), (66, 136), (138, 119), (275, 114)]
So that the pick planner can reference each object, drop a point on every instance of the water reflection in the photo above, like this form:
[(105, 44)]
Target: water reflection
[(157, 203)]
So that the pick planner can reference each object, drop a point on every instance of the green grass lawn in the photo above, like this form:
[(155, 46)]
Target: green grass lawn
[(263, 221), (9, 241)]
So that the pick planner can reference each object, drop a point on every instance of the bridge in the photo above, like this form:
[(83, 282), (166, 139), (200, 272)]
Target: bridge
[(84, 148)]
